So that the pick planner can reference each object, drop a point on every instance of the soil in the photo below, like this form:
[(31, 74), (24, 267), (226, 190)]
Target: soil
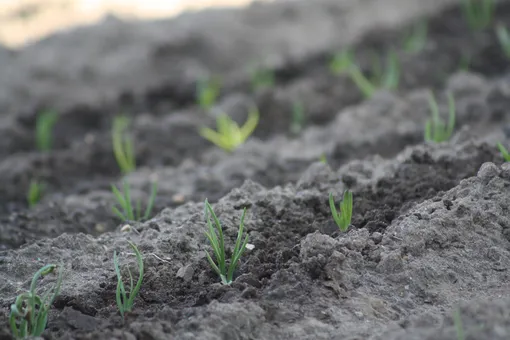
[(427, 255)]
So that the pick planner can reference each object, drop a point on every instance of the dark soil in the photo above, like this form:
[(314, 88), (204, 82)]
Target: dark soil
[(429, 242)]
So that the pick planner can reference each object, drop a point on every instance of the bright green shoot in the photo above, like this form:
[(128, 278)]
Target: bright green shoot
[(504, 152), (262, 78), (43, 130), (217, 241), (29, 313), (125, 302), (504, 39), (341, 62), (417, 38), (435, 129), (298, 118), (342, 218), (229, 135), (123, 145), (126, 211), (208, 91), (478, 13), (35, 192), (323, 159), (387, 78)]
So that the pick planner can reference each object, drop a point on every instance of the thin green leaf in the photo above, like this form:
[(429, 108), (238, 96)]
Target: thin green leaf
[(152, 199)]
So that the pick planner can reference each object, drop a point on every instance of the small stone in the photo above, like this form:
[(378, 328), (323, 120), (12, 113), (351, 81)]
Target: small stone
[(178, 198), (126, 228), (186, 273), (487, 172)]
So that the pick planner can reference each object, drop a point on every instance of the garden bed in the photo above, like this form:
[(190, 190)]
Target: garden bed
[(426, 255)]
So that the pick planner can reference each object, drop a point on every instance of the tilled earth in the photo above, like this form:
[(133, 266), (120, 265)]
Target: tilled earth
[(430, 237)]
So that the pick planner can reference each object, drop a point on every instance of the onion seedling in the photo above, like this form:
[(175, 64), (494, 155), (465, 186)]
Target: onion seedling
[(261, 78), (504, 39), (478, 13), (504, 152), (229, 135), (417, 38), (35, 192), (344, 216), (457, 323), (217, 241), (298, 118), (43, 130), (123, 145), (29, 313), (343, 63), (208, 91), (435, 129), (126, 211), (125, 303)]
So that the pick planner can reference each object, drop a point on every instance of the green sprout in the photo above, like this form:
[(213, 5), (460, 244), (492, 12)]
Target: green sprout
[(323, 159), (435, 129), (478, 13), (342, 218), (218, 244), (390, 76), (29, 313), (341, 62), (43, 130), (298, 118), (465, 62), (124, 201), (261, 78), (123, 145), (457, 322), (504, 152), (208, 91), (387, 78), (417, 38), (229, 135), (125, 303), (35, 192), (504, 39)]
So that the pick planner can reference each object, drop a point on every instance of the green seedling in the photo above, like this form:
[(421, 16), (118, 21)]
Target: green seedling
[(387, 78), (342, 218), (478, 13), (465, 62), (341, 62), (44, 130), (298, 118), (417, 39), (123, 145), (126, 211), (504, 152), (125, 303), (262, 78), (504, 39), (218, 244), (323, 159), (229, 135), (435, 129), (29, 313), (208, 91), (35, 192), (459, 328)]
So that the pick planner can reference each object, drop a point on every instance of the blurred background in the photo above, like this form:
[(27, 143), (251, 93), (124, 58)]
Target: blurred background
[(22, 21)]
